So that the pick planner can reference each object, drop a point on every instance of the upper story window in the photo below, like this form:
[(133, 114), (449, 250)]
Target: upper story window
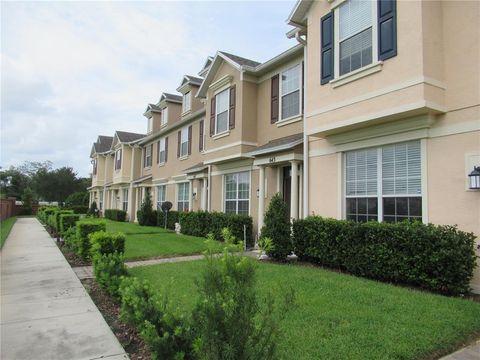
[(118, 159), (355, 35), (221, 111), (187, 101), (94, 165), (161, 151), (290, 92), (148, 155), (384, 183), (150, 125), (184, 141), (164, 117)]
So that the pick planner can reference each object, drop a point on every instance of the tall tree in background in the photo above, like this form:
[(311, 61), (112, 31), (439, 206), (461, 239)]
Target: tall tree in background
[(55, 185)]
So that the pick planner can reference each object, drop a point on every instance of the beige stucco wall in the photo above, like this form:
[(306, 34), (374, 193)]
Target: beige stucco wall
[(98, 179)]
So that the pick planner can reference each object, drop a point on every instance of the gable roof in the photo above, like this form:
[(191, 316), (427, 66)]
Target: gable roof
[(247, 65), (206, 66), (170, 97), (240, 60), (187, 80), (102, 144), (151, 108), (298, 14), (128, 137)]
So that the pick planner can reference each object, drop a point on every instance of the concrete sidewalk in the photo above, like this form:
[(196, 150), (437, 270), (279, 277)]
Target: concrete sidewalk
[(45, 311)]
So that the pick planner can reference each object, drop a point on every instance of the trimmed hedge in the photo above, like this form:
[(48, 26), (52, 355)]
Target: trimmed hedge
[(78, 209), (201, 223), (67, 221), (150, 219), (115, 215), (437, 258), (85, 228), (104, 243), (56, 222), (172, 218)]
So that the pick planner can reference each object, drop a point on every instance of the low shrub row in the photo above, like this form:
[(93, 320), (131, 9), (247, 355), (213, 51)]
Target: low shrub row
[(115, 214), (201, 223), (82, 243), (44, 212), (172, 218), (437, 258), (68, 221), (78, 209)]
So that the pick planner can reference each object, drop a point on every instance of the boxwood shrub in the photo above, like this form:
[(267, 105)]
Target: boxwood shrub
[(67, 221), (437, 258), (115, 214), (172, 218), (103, 243), (201, 223), (56, 222), (85, 228)]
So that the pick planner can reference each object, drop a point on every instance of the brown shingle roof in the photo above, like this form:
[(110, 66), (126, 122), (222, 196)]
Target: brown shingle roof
[(126, 137), (103, 143), (195, 168), (241, 60), (171, 97), (280, 144)]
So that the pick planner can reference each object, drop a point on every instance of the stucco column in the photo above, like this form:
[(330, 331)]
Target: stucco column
[(130, 205), (104, 200), (204, 194), (294, 191), (261, 197), (137, 194)]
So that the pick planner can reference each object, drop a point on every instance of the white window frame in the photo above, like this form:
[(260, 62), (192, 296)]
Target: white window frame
[(161, 195), (227, 90), (117, 155), (125, 200), (379, 195), (187, 101), (161, 149), (150, 125), (237, 199), (164, 117), (148, 156), (94, 167), (336, 34), (299, 93), (183, 200), (184, 132)]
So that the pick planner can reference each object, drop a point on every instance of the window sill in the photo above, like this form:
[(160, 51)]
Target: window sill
[(221, 135), (161, 164), (162, 126), (147, 168), (184, 157), (289, 121), (186, 112), (357, 74)]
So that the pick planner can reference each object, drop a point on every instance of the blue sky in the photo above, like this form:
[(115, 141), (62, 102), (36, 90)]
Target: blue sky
[(73, 70)]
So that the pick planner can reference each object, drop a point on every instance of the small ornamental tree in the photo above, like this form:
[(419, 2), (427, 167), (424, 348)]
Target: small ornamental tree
[(145, 215), (277, 228)]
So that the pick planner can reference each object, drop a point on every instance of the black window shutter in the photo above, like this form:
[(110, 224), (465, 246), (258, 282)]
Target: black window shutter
[(166, 148), (387, 29), (200, 142), (158, 152), (190, 139), (326, 54), (212, 116), (179, 140), (275, 90), (231, 119)]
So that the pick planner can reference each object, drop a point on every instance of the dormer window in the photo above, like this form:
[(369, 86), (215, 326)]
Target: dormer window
[(164, 118), (150, 125), (118, 159), (187, 99), (94, 163)]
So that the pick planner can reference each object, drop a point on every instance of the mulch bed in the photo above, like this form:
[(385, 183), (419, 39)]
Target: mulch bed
[(71, 257), (126, 334)]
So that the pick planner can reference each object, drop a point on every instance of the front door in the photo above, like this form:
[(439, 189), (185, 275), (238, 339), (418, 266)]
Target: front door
[(287, 185)]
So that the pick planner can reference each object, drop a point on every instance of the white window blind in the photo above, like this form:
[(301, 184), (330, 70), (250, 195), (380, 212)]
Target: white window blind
[(161, 151), (164, 116), (186, 101), (361, 172), (290, 92), (401, 169), (222, 102), (184, 142), (355, 16)]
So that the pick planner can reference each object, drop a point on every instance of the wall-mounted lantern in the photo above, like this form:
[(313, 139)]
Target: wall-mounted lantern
[(474, 178)]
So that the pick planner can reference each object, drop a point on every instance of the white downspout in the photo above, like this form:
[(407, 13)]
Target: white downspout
[(306, 159), (209, 206)]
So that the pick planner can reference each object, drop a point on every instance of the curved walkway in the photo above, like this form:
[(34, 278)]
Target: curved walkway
[(45, 311)]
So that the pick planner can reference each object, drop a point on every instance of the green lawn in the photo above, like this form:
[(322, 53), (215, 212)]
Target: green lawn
[(147, 242), (343, 317), (5, 228)]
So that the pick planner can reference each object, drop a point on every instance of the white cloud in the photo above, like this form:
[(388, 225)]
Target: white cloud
[(73, 70)]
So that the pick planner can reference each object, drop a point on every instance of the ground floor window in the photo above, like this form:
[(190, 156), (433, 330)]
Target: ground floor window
[(384, 183), (100, 200), (183, 197), (125, 200), (161, 196), (237, 193)]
